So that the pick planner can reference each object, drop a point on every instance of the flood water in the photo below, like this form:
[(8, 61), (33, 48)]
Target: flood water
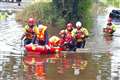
[(103, 63)]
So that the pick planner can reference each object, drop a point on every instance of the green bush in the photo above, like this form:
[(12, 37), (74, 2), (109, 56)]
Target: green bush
[(45, 12), (74, 10), (85, 13), (56, 15)]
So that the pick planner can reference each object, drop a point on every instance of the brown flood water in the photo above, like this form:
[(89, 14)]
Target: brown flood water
[(84, 66)]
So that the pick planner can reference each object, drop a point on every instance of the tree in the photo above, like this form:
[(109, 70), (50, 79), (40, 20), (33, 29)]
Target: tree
[(73, 10)]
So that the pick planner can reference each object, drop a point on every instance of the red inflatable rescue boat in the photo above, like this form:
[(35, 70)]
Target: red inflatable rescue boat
[(38, 49)]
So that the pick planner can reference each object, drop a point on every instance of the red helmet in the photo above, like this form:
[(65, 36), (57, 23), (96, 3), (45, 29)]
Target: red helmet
[(31, 21), (69, 26)]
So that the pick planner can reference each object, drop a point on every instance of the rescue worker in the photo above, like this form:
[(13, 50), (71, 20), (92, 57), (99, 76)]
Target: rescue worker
[(62, 40), (29, 31), (67, 37), (54, 41), (80, 34), (110, 25), (41, 37), (69, 30)]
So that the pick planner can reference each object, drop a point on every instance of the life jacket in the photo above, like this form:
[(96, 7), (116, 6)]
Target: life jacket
[(108, 30), (41, 34), (29, 32), (54, 41), (61, 42), (79, 34), (84, 30), (68, 36)]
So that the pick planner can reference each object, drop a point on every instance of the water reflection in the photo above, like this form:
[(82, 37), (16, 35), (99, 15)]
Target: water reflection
[(9, 65), (108, 39), (59, 67), (103, 64), (84, 66)]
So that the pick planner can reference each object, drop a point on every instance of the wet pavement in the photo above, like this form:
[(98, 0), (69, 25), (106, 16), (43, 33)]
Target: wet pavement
[(83, 66)]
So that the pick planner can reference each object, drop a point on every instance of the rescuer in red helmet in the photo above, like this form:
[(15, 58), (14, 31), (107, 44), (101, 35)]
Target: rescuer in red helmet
[(29, 31)]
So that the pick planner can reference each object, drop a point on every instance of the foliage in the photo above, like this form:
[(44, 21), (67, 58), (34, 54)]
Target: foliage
[(84, 12), (45, 12), (59, 12), (74, 10), (115, 3)]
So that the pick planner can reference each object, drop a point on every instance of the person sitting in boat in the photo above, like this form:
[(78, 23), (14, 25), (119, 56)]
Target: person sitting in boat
[(41, 37), (80, 35), (54, 41), (62, 38), (110, 28), (54, 44), (67, 37), (29, 31)]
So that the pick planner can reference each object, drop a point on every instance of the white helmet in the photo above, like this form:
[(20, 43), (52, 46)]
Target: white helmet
[(78, 23), (40, 27)]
